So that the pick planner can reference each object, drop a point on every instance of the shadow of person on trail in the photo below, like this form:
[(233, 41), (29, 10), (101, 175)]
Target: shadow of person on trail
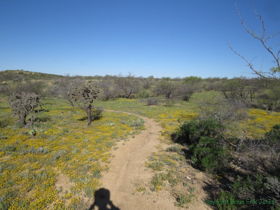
[(102, 200)]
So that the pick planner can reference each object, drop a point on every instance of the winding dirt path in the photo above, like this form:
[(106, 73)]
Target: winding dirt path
[(127, 171)]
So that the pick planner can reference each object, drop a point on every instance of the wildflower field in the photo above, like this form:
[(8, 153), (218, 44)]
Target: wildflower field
[(63, 144)]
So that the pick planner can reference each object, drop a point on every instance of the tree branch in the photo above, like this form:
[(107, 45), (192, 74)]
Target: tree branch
[(249, 64), (259, 38)]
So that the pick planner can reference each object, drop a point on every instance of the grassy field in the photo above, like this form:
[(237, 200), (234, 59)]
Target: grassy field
[(63, 144)]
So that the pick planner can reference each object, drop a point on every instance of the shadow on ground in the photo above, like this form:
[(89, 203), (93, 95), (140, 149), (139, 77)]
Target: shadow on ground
[(102, 200)]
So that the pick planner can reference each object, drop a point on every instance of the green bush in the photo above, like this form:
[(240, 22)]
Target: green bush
[(205, 140), (191, 132), (209, 155)]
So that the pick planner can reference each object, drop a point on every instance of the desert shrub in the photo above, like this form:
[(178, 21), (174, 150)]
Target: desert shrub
[(43, 118), (144, 94), (152, 101), (190, 132), (137, 123), (206, 146), (183, 199), (209, 155), (175, 148), (156, 165), (97, 173), (225, 111), (60, 153), (248, 189), (273, 187), (158, 179), (96, 113), (270, 100), (263, 157), (253, 190), (261, 153), (169, 103)]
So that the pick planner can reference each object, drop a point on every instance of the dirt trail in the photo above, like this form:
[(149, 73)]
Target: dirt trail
[(127, 169)]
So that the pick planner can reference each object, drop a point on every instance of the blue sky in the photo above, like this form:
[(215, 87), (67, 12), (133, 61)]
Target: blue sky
[(163, 38)]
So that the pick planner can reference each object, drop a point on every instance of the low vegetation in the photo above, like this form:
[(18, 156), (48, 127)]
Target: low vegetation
[(228, 135), (59, 143)]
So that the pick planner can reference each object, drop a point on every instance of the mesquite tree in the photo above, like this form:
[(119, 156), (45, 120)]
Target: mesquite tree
[(128, 85), (185, 91), (23, 104), (167, 88), (84, 95), (108, 89)]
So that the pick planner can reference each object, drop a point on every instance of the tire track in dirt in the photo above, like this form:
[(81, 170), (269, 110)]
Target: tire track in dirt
[(127, 171)]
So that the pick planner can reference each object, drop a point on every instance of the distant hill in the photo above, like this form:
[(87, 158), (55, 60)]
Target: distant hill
[(20, 75)]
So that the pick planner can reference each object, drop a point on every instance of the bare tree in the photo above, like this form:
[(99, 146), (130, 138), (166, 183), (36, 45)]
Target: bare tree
[(84, 95), (263, 40), (23, 104)]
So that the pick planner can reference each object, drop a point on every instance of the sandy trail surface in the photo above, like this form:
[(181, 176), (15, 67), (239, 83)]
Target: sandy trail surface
[(127, 171)]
